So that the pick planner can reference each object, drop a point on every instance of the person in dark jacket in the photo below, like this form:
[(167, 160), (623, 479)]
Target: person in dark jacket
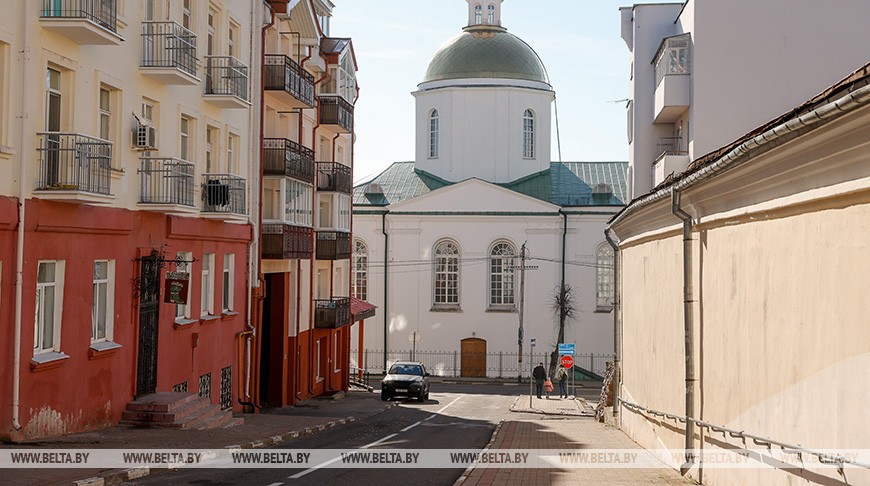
[(539, 374)]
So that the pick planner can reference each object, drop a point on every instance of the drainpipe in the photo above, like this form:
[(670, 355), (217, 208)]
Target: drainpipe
[(386, 283), (616, 330), (312, 382), (22, 194), (689, 327)]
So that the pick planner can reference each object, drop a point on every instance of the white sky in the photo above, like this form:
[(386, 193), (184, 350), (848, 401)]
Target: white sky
[(578, 40)]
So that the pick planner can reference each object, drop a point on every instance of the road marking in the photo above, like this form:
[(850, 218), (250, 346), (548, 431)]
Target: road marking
[(275, 484), (322, 465), (431, 416), (379, 441), (445, 406), (411, 426)]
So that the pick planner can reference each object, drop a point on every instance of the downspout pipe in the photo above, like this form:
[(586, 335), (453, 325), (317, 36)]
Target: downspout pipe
[(688, 300), (617, 334), (386, 284)]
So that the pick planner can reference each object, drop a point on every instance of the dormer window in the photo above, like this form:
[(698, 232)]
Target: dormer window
[(528, 135), (478, 15), (434, 134), (490, 14)]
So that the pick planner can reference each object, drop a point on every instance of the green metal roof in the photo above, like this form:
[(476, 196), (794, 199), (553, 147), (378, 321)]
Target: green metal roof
[(565, 184), (486, 52)]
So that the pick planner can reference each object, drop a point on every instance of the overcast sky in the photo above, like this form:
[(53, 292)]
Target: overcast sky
[(578, 40)]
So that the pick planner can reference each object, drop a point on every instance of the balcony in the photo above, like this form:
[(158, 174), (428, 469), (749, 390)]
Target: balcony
[(672, 160), (334, 177), (288, 81), (226, 82), (673, 79), (74, 167), (286, 242), (333, 245), (85, 22), (223, 195), (169, 53), (282, 157), (166, 184), (337, 113), (332, 314)]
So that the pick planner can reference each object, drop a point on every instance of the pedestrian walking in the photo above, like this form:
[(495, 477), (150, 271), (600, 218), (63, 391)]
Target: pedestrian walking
[(539, 374), (562, 376)]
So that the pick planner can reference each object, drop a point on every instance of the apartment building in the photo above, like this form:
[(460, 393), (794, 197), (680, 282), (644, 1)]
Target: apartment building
[(126, 205), (308, 101), (704, 72)]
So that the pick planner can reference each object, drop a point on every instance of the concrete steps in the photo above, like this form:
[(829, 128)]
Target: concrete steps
[(177, 411)]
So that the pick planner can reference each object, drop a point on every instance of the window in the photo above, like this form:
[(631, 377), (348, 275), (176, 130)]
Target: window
[(324, 219), (210, 36), (4, 97), (478, 15), (49, 303), (232, 36), (447, 274), (182, 311), (186, 14), (434, 129), (343, 212), (150, 10), (232, 163), (52, 100), (287, 201), (604, 271), (211, 163), (228, 280), (528, 135), (103, 310), (490, 14), (105, 113), (207, 288), (360, 270), (502, 260), (184, 138)]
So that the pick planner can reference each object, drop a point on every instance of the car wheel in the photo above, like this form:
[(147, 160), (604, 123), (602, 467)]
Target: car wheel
[(385, 396), (426, 396)]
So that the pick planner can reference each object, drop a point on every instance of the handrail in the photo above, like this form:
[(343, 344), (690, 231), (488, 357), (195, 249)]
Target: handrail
[(824, 457)]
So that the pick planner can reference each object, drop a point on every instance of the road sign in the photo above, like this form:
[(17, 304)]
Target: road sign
[(567, 361), (533, 342), (414, 337), (566, 348)]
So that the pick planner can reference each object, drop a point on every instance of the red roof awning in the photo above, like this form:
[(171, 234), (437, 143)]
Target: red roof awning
[(360, 309)]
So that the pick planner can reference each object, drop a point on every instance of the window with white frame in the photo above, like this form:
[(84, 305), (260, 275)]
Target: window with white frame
[(105, 112), (211, 33), (343, 212), (232, 147), (228, 279), (211, 151), (528, 134), (184, 138), (360, 270), (502, 260), (232, 38), (207, 287), (478, 15), (287, 201), (49, 303), (182, 311), (186, 14), (434, 134), (447, 256), (604, 272), (490, 14), (103, 309)]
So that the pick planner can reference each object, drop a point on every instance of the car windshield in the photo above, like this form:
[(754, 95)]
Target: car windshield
[(399, 369)]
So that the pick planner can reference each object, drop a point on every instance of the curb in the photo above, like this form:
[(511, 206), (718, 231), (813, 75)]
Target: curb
[(583, 413), (470, 468), (118, 476)]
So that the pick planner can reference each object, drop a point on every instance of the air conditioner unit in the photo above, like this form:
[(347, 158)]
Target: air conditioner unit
[(144, 137)]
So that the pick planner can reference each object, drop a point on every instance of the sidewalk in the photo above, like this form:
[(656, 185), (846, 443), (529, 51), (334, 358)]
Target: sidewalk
[(259, 430), (572, 406)]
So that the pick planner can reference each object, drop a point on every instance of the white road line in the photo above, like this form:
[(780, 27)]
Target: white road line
[(431, 416), (307, 471), (451, 403), (275, 484), (411, 426), (379, 441)]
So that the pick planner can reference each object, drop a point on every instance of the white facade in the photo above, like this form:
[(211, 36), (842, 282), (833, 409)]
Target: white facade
[(721, 85)]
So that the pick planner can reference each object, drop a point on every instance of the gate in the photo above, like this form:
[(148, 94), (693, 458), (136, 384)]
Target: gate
[(473, 357), (149, 319)]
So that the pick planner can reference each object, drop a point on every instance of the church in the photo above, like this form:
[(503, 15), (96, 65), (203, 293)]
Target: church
[(465, 249)]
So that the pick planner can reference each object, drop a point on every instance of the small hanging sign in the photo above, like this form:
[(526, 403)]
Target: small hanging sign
[(175, 287)]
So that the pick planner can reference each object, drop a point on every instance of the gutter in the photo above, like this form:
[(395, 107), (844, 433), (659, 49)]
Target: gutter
[(617, 331)]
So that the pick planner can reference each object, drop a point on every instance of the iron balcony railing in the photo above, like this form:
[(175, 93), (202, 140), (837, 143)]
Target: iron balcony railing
[(332, 314), (223, 193), (334, 177), (287, 242), (333, 245), (101, 12), (166, 181), (282, 157), (335, 110), (285, 74), (168, 45), (74, 162), (227, 76)]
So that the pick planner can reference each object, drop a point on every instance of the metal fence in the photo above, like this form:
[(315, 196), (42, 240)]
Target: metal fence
[(227, 76), (101, 12), (498, 364), (223, 193), (166, 181), (74, 162), (168, 45)]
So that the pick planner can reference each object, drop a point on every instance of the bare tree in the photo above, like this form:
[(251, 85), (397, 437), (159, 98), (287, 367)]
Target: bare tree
[(563, 305)]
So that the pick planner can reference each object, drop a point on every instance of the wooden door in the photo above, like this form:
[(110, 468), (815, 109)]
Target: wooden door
[(473, 361)]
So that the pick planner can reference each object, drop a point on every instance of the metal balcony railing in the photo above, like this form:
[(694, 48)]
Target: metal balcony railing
[(166, 181), (74, 162), (334, 177), (287, 242), (223, 193), (168, 45), (335, 110), (332, 314), (285, 74), (101, 12), (671, 146), (284, 157), (333, 245), (226, 75)]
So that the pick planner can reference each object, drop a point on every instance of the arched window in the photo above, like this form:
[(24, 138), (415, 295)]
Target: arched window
[(478, 15), (490, 14), (502, 259), (528, 135), (434, 134), (447, 256), (604, 266), (360, 270)]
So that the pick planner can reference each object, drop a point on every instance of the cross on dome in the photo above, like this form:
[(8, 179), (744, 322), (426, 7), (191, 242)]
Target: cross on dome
[(484, 12)]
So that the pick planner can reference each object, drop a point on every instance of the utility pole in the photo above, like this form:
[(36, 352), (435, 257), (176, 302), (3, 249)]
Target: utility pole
[(522, 269)]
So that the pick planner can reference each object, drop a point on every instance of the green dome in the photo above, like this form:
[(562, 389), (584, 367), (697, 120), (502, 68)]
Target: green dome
[(488, 52)]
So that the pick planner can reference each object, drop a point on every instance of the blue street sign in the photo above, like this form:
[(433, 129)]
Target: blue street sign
[(533, 342), (566, 349)]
